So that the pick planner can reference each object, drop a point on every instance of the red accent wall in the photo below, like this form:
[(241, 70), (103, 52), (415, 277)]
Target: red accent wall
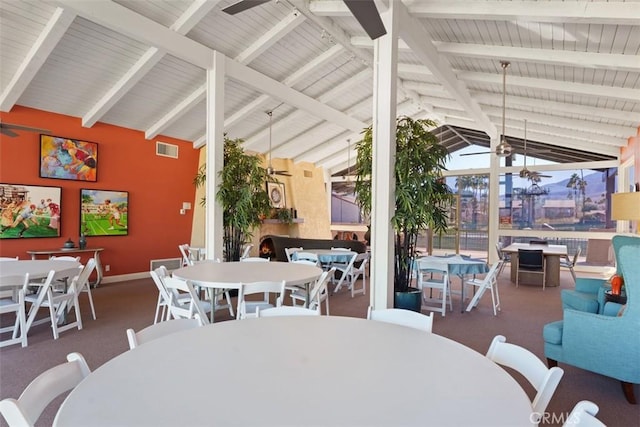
[(157, 187)]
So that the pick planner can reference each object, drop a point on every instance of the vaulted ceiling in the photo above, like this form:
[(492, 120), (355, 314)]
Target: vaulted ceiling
[(574, 74)]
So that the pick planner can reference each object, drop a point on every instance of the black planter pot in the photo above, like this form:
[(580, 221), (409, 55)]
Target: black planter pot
[(411, 299)]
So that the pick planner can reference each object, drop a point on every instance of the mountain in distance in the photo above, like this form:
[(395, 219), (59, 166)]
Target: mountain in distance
[(595, 188)]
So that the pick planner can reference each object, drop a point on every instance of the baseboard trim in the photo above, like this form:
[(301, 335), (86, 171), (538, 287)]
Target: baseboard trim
[(125, 277)]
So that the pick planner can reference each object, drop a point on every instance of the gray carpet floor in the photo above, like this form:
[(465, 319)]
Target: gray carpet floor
[(131, 305)]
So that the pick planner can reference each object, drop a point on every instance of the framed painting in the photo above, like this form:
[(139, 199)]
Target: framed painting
[(276, 194), (104, 212), (65, 158), (29, 211)]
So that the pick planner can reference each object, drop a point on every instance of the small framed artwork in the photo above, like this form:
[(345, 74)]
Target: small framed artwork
[(65, 158), (29, 211), (276, 194), (104, 212)]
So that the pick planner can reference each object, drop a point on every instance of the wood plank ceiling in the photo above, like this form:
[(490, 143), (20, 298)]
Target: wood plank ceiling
[(574, 74)]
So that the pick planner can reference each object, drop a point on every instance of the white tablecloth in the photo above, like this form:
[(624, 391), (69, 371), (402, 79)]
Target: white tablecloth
[(298, 371)]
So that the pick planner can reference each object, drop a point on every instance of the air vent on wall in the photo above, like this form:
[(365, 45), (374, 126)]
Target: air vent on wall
[(308, 174), (170, 263), (166, 150)]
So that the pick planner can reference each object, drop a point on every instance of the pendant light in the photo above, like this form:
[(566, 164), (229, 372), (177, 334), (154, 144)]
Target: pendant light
[(503, 149)]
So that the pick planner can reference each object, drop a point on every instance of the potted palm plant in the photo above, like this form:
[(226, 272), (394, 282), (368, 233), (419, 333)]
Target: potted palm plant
[(242, 194), (422, 195)]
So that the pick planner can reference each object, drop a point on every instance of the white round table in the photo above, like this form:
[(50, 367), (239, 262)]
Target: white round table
[(229, 275), (298, 371), (36, 268)]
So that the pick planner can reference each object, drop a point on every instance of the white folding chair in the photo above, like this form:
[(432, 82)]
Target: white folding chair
[(318, 293), (398, 316), (544, 380), (254, 259), (287, 310), (490, 281), (10, 305), (65, 258), (436, 282), (359, 269), (189, 255), (306, 256), (162, 312), (83, 285), (58, 302), (247, 308), (584, 415), (178, 291), (245, 254), (158, 330), (40, 392), (346, 272), (570, 263), (289, 251)]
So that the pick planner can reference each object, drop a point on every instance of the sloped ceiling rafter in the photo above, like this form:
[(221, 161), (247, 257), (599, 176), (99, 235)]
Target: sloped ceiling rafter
[(575, 72)]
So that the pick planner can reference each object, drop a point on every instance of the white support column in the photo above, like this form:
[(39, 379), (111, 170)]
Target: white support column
[(215, 155), (383, 179), (494, 207)]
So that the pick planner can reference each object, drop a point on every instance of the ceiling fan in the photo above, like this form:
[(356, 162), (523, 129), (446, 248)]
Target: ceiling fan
[(270, 170), (365, 12), (526, 173), (8, 129), (503, 149)]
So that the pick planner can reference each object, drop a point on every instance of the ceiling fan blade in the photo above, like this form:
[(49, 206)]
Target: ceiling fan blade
[(283, 173), (475, 154), (366, 13), (242, 5), (8, 128), (8, 132)]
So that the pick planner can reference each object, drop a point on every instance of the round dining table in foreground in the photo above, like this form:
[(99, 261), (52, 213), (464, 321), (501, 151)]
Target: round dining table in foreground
[(298, 371)]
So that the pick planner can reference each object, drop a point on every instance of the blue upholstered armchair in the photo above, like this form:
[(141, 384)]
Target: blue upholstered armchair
[(603, 343), (588, 294)]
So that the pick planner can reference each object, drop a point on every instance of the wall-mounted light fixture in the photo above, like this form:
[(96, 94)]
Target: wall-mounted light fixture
[(185, 207)]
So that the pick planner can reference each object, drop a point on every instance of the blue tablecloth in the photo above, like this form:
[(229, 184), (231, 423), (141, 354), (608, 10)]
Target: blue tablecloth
[(327, 256), (455, 264)]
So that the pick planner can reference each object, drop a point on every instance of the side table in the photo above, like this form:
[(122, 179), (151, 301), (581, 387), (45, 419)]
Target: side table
[(620, 299), (66, 251)]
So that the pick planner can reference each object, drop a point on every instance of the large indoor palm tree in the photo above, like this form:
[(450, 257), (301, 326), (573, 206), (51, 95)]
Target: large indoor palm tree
[(422, 196)]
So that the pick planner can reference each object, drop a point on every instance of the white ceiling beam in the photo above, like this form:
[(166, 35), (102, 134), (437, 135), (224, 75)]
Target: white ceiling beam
[(631, 118), (598, 91), (414, 34), (131, 24), (293, 79), (262, 137), (177, 112), (279, 91), (606, 13), (419, 70), (427, 88), (568, 58), (301, 143), (545, 127), (329, 153), (591, 60), (256, 49), (48, 39), (185, 23), (271, 37), (566, 122)]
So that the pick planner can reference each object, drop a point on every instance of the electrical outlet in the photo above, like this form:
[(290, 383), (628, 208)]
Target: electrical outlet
[(107, 267)]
